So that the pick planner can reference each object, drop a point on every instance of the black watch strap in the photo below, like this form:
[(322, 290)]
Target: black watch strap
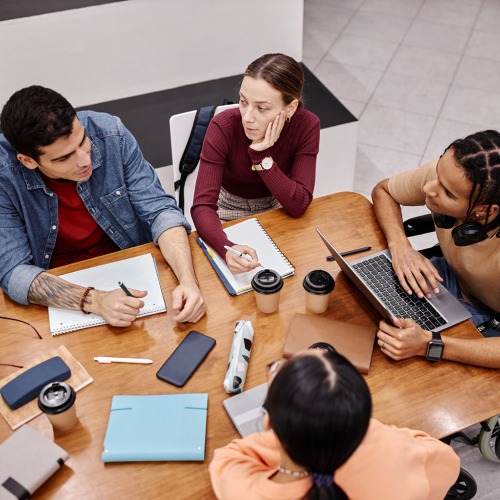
[(437, 336)]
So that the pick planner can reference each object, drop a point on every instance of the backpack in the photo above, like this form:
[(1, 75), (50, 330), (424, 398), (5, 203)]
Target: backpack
[(191, 155)]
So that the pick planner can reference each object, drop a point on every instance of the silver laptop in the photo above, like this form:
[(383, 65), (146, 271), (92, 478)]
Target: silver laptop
[(245, 409), (374, 277)]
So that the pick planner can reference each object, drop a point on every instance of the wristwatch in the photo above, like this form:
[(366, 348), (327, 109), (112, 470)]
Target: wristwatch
[(435, 348), (265, 164)]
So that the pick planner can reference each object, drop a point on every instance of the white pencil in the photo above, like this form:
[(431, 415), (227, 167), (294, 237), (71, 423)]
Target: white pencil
[(104, 359)]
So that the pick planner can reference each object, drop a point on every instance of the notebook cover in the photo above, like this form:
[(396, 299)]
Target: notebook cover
[(211, 257), (27, 460), (245, 409), (156, 428), (355, 342)]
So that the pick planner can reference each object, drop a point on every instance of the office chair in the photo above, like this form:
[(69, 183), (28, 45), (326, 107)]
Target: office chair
[(488, 439), (464, 488), (180, 129)]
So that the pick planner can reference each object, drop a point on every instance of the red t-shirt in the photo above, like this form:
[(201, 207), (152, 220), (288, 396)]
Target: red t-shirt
[(79, 237)]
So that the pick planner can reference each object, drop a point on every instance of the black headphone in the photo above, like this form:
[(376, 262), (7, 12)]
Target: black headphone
[(468, 233)]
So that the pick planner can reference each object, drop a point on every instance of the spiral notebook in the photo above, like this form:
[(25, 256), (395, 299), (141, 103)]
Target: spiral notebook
[(138, 272), (248, 232)]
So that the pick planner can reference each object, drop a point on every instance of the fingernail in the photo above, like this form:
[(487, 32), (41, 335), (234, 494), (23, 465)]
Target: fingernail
[(436, 290), (420, 295), (429, 295)]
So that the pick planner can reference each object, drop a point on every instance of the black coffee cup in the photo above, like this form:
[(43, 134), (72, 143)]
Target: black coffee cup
[(57, 401), (267, 285), (318, 285)]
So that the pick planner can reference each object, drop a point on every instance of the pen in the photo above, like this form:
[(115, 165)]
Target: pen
[(125, 289), (239, 254), (350, 252), (105, 359)]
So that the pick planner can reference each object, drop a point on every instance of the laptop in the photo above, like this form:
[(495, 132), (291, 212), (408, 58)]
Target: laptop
[(245, 409), (376, 280)]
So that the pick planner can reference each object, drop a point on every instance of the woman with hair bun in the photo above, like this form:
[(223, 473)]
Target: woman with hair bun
[(322, 444), (257, 157)]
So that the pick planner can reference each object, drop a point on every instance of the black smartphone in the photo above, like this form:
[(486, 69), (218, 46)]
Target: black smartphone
[(186, 358)]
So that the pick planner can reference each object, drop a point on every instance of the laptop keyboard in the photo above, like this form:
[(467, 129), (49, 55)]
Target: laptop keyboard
[(377, 272)]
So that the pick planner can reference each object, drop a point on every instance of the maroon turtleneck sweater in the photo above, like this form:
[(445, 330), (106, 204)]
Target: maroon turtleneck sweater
[(226, 160)]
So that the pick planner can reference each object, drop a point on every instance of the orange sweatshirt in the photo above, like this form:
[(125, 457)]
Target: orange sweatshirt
[(390, 463)]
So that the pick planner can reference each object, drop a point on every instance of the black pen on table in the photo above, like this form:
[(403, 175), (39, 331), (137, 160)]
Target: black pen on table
[(350, 252), (125, 289)]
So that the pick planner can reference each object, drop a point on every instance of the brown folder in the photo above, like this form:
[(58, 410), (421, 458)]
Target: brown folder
[(355, 342)]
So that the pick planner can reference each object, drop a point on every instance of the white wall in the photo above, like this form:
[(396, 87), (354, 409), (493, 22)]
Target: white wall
[(122, 49), (98, 54)]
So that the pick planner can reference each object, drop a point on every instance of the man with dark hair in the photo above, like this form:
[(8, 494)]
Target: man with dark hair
[(74, 186), (462, 190)]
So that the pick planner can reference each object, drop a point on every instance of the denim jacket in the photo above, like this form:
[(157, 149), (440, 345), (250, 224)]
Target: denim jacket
[(123, 195)]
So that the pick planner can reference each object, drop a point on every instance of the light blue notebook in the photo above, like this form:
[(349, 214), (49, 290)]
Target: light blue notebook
[(155, 428)]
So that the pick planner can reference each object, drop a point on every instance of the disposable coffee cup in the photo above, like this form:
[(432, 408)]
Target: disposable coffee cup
[(318, 285), (57, 401), (267, 285)]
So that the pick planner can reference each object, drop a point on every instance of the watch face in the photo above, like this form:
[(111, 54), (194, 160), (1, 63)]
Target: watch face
[(434, 351), (267, 163)]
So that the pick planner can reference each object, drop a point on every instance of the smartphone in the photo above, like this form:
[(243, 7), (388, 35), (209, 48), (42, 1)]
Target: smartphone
[(186, 358)]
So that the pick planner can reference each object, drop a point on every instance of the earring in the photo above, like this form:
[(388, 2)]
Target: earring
[(288, 118)]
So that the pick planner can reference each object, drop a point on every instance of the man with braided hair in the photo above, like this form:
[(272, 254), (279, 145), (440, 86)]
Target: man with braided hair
[(462, 190)]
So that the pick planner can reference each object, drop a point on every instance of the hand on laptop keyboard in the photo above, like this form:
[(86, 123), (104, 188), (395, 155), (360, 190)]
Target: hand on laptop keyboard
[(415, 272), (403, 340)]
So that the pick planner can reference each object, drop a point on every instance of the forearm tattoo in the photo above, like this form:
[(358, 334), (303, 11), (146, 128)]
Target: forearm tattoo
[(49, 290)]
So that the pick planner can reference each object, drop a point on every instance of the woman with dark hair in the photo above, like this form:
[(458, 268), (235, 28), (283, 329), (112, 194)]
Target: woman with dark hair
[(258, 157), (462, 190), (322, 444)]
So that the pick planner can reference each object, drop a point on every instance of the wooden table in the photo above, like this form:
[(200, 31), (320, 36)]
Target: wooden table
[(439, 398)]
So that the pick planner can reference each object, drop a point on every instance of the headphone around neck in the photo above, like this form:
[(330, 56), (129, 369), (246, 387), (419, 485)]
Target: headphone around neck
[(467, 233)]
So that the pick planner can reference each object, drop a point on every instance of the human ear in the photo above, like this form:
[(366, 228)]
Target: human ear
[(480, 211), (266, 422), (494, 209), (291, 108), (27, 161)]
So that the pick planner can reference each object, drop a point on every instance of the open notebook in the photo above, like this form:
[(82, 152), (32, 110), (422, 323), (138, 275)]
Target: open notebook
[(248, 232), (138, 272)]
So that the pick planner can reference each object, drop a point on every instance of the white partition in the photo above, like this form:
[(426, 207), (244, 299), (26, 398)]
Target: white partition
[(106, 52), (336, 159)]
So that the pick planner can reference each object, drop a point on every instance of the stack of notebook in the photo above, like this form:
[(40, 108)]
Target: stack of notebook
[(248, 232)]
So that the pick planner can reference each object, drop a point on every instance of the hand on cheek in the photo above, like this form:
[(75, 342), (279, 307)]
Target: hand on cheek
[(272, 134)]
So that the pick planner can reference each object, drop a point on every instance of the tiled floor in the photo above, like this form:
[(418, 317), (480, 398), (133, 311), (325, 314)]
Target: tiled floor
[(418, 74)]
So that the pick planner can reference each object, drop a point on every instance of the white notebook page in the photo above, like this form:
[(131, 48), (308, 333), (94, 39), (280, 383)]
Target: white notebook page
[(138, 272), (250, 232)]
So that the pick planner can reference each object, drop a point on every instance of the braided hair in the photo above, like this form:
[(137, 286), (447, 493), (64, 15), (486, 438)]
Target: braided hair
[(319, 407), (478, 156)]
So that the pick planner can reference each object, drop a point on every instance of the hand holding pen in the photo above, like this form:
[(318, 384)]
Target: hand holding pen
[(121, 306), (241, 258)]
